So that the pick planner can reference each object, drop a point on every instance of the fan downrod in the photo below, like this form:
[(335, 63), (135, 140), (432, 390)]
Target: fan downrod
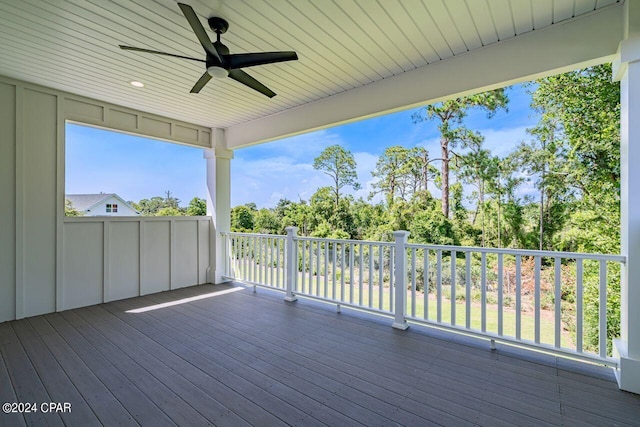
[(218, 25)]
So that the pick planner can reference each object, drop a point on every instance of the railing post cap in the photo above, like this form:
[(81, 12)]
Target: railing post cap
[(401, 233), (291, 230)]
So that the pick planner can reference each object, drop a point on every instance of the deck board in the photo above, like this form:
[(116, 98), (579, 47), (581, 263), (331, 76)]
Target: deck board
[(27, 385), (141, 408), (53, 377), (246, 358)]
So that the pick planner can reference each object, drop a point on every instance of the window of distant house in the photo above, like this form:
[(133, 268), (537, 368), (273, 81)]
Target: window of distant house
[(112, 208)]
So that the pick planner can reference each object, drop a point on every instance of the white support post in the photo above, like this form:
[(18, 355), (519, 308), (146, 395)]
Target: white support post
[(627, 70), (218, 201), (291, 264), (400, 276)]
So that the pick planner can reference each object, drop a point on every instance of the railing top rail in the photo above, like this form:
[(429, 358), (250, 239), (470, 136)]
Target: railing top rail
[(357, 242), (135, 218), (234, 233), (526, 252)]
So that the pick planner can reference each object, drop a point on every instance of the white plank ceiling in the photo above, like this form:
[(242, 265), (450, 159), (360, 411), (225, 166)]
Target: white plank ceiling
[(72, 45)]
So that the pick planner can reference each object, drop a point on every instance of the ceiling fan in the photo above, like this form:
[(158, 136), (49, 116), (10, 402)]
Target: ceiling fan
[(219, 62)]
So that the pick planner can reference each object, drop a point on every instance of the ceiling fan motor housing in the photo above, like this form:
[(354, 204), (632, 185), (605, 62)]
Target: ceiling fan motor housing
[(218, 25)]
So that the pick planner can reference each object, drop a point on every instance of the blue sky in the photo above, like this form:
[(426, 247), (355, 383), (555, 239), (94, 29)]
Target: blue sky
[(134, 167), (265, 173)]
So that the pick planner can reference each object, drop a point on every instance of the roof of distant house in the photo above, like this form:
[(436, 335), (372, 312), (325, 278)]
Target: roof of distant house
[(83, 202)]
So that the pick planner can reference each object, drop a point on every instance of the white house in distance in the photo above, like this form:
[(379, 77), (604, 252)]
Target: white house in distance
[(102, 204)]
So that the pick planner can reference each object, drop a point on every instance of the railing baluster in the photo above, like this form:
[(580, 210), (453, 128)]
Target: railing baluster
[(279, 248), (361, 271), (452, 293), (318, 248), (439, 286), (518, 296), (602, 333), (311, 267), (392, 278), (380, 279), (240, 243), (243, 259), (260, 264), (243, 266), (538, 262), (235, 258), (264, 259), (254, 263), (371, 276), (579, 299), (326, 269), (500, 295), (467, 295), (342, 272), (557, 296), (247, 255), (413, 282), (425, 280), (351, 258), (333, 270), (271, 267), (483, 285), (304, 267), (295, 253)]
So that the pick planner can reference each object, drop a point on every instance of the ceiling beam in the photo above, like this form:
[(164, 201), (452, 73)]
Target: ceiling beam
[(580, 42)]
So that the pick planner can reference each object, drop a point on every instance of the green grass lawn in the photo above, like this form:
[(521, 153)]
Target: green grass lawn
[(527, 321), (371, 298)]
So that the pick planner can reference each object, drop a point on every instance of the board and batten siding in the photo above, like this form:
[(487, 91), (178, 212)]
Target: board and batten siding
[(111, 258), (45, 259)]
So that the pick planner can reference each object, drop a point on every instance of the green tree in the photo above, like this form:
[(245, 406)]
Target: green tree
[(479, 169), (69, 210), (450, 114), (169, 211), (197, 207), (266, 221), (389, 171), (149, 207), (170, 201), (242, 218), (586, 106), (340, 165), (545, 160)]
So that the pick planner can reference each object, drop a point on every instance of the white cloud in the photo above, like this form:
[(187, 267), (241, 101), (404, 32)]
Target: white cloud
[(503, 141), (499, 141), (267, 180), (304, 147)]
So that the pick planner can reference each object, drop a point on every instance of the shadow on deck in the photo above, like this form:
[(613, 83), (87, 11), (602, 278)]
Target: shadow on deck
[(223, 355)]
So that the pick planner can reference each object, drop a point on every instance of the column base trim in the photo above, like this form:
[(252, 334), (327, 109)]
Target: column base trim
[(628, 370)]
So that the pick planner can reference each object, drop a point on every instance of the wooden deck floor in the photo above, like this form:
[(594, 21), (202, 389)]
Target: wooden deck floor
[(239, 358)]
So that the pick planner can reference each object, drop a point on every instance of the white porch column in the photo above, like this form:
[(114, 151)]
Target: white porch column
[(627, 70), (218, 198)]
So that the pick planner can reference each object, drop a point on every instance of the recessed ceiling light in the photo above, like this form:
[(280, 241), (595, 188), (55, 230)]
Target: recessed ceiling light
[(136, 84)]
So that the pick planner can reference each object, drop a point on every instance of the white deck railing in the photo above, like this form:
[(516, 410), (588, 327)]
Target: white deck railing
[(552, 301)]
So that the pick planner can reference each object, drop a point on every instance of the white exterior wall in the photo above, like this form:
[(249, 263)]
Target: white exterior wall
[(101, 209), (43, 258)]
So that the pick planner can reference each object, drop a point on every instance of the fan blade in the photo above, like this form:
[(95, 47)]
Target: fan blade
[(197, 28), (201, 82), (138, 49), (246, 79), (240, 60)]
